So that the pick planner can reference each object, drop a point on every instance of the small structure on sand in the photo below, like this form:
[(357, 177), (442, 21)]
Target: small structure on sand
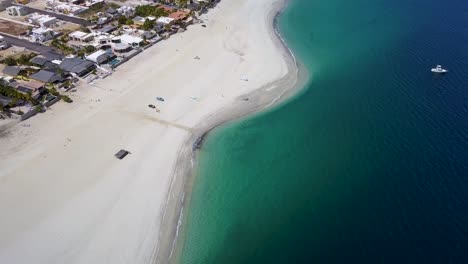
[(122, 153)]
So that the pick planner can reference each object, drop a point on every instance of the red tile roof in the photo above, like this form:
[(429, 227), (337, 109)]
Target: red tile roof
[(179, 15)]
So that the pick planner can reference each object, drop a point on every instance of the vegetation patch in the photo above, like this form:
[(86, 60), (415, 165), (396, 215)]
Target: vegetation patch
[(97, 8), (23, 59), (67, 99), (149, 10)]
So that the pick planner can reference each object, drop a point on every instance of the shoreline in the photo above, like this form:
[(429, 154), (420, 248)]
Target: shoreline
[(180, 193), (71, 201)]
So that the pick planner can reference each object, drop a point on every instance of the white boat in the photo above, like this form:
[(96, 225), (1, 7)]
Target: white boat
[(439, 69)]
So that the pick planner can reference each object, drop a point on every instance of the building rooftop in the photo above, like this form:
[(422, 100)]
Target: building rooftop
[(11, 70), (70, 8), (78, 34), (39, 60), (51, 66), (100, 56), (129, 39), (179, 15), (47, 76), (33, 85), (29, 87), (5, 100), (41, 30), (76, 65), (164, 20), (107, 29), (45, 19), (53, 56), (121, 46)]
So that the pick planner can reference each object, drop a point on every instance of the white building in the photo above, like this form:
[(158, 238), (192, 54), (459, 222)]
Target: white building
[(100, 56), (103, 41), (41, 20), (90, 3), (69, 9), (133, 41), (81, 36), (126, 11), (42, 34), (121, 48), (164, 21), (3, 43), (16, 11)]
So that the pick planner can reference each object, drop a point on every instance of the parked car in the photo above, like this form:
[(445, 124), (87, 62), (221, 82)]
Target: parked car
[(160, 99), (151, 106)]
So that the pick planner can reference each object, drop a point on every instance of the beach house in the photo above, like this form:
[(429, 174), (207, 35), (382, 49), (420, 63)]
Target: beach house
[(164, 21), (106, 29), (130, 40), (101, 56), (179, 16), (16, 11), (42, 34), (121, 48), (11, 70), (77, 66), (81, 36), (47, 76), (41, 20), (44, 62), (34, 88)]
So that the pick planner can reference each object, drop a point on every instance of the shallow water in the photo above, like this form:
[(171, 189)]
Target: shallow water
[(369, 164)]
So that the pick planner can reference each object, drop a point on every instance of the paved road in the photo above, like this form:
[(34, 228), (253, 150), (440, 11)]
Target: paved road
[(26, 44), (71, 19)]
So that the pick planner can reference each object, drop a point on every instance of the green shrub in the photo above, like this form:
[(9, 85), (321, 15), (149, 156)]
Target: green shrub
[(54, 91), (10, 61), (89, 49), (39, 108), (67, 99)]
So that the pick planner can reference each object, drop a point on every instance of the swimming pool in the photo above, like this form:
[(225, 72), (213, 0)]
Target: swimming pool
[(115, 62)]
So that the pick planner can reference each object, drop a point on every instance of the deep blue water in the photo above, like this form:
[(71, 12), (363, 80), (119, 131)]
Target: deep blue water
[(368, 165)]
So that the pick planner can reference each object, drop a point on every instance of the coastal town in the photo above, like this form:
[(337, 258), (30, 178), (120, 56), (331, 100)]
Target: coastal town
[(107, 178), (48, 48)]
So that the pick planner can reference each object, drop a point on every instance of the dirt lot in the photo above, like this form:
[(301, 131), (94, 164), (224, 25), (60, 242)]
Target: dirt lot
[(65, 27), (14, 52), (12, 28), (4, 14), (41, 4)]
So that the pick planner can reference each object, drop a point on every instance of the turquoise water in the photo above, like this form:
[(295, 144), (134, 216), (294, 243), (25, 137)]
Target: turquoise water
[(368, 165)]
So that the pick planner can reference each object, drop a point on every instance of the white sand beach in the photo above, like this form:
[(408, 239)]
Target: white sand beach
[(65, 198)]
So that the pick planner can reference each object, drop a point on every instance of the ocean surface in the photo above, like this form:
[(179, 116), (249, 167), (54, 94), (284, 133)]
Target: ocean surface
[(368, 164)]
